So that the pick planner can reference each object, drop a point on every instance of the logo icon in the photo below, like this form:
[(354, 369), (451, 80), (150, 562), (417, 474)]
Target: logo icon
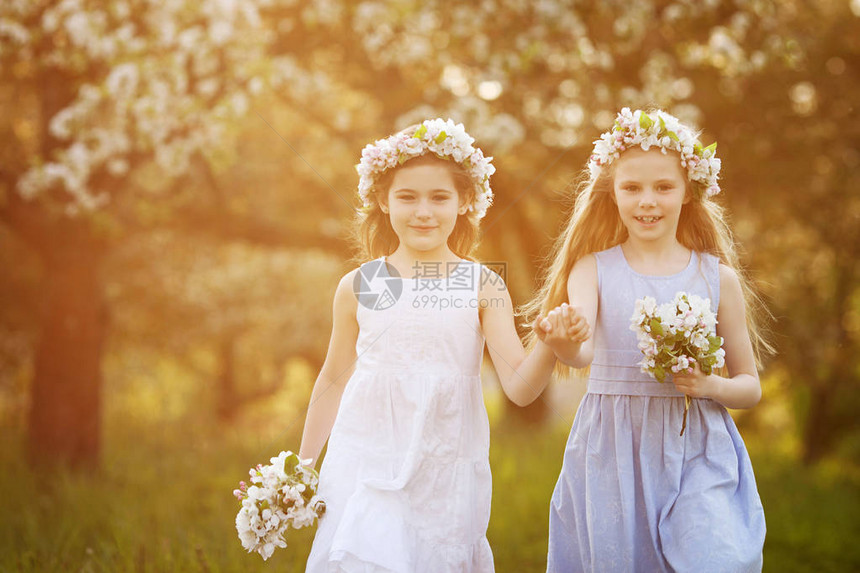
[(377, 285)]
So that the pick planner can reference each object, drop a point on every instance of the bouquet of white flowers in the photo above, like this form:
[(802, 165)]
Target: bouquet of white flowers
[(281, 495), (676, 336)]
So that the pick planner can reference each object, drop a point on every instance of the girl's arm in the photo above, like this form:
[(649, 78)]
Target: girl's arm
[(742, 388), (523, 376), (336, 370), (582, 294)]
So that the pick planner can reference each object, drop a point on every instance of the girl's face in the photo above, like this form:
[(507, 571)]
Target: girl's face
[(649, 188), (423, 206)]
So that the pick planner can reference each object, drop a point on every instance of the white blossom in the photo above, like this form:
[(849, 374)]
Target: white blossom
[(657, 129), (282, 495), (445, 138), (682, 336)]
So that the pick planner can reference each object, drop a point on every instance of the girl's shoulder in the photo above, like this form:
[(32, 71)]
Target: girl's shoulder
[(729, 277), (593, 262), (350, 276), (346, 284), (490, 278), (587, 263)]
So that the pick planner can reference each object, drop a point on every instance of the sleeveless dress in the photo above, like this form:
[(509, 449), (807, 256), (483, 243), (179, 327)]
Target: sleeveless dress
[(406, 477), (633, 495)]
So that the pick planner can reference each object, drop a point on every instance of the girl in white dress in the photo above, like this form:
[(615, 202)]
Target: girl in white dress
[(406, 477)]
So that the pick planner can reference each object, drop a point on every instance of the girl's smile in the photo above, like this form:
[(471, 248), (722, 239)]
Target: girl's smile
[(649, 189), (423, 205)]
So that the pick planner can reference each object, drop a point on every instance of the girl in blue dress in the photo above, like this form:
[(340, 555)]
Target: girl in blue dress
[(633, 495)]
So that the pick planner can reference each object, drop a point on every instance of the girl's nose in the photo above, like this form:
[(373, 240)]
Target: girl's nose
[(647, 200), (422, 210)]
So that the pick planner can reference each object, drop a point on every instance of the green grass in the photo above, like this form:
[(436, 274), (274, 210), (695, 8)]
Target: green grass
[(162, 503)]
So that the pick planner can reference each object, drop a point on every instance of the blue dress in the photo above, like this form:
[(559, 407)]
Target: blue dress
[(633, 495)]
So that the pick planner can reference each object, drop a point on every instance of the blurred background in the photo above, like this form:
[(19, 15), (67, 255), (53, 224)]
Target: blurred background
[(177, 185)]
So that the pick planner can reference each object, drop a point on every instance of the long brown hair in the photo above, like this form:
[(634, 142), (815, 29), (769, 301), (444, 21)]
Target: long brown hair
[(372, 230), (595, 225)]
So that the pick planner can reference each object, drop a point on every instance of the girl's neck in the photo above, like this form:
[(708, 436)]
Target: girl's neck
[(656, 258), (407, 260)]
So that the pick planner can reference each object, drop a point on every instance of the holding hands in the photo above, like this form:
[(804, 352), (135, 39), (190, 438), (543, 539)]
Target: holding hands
[(562, 326)]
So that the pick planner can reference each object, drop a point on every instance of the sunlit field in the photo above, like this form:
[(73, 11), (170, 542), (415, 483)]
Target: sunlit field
[(163, 502)]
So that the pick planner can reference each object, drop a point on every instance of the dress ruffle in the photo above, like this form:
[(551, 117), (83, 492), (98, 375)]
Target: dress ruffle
[(378, 536)]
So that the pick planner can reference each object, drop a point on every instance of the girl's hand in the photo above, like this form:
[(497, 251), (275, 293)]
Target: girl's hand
[(563, 325), (694, 382), (308, 462)]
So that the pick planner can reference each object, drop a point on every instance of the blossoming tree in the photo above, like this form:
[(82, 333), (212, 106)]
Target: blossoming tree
[(112, 103), (118, 107)]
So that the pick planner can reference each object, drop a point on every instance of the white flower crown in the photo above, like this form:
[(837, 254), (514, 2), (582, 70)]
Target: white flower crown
[(445, 139), (659, 129)]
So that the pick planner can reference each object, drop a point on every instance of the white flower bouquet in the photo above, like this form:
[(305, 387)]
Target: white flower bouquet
[(281, 495), (677, 335)]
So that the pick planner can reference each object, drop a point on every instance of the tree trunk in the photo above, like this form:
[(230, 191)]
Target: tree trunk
[(65, 409), (228, 399), (817, 432)]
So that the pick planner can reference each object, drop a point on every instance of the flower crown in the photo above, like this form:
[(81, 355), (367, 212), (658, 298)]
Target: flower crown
[(659, 129), (445, 139)]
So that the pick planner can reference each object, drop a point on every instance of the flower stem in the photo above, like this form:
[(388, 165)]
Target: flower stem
[(687, 401)]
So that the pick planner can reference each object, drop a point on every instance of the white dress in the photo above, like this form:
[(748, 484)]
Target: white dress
[(406, 477)]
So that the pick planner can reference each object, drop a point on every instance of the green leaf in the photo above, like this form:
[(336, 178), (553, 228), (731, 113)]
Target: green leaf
[(712, 147), (441, 137), (673, 136), (659, 374), (698, 149), (645, 121), (291, 462), (714, 343), (419, 133), (656, 327)]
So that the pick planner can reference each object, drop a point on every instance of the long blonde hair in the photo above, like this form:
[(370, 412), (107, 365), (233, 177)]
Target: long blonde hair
[(372, 230), (595, 225)]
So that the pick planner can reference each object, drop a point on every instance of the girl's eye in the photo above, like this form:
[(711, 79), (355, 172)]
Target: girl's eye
[(441, 198), (631, 188), (665, 188)]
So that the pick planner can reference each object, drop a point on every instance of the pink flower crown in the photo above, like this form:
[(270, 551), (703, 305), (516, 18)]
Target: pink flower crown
[(663, 130), (442, 137)]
